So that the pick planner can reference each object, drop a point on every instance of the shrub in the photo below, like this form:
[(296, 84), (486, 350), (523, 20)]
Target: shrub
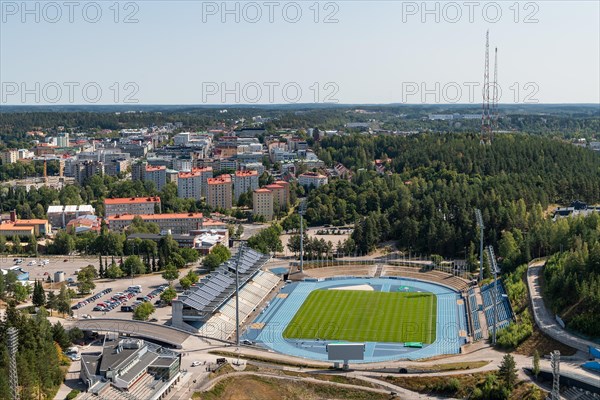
[(72, 394)]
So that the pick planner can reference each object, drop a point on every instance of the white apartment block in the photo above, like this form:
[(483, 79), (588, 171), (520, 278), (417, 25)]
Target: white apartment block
[(312, 178), (189, 185), (244, 181), (157, 174)]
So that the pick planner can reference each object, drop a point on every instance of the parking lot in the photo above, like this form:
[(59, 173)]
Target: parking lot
[(73, 263)]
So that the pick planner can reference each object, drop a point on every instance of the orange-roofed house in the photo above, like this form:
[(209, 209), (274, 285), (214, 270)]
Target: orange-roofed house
[(24, 227), (177, 223), (131, 205), (219, 194), (244, 181)]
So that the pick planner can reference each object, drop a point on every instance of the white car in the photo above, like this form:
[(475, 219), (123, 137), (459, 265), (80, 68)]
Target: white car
[(196, 363)]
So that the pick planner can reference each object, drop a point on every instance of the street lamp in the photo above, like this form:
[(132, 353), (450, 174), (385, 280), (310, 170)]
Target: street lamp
[(494, 266)]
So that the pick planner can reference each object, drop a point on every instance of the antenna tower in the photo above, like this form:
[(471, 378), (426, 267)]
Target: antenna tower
[(495, 94), (486, 126)]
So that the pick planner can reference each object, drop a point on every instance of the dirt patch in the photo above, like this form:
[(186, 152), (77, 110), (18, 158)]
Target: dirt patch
[(263, 388), (543, 344)]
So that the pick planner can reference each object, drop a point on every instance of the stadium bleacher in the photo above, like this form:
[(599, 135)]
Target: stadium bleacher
[(505, 315)]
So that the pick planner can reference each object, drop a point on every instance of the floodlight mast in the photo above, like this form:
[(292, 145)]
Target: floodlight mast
[(494, 266), (481, 229), (301, 212)]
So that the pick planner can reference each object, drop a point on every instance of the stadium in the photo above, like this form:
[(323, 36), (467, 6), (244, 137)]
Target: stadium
[(398, 310)]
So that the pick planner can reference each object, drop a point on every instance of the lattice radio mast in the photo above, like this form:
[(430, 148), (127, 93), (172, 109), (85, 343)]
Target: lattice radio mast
[(486, 125), (13, 345), (495, 94)]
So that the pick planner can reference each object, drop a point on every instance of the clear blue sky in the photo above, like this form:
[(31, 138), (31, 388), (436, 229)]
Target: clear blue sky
[(377, 52)]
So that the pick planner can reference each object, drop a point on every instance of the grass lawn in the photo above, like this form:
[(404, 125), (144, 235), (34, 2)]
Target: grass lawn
[(363, 316)]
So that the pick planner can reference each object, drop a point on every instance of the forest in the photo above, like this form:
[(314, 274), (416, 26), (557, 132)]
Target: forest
[(426, 199)]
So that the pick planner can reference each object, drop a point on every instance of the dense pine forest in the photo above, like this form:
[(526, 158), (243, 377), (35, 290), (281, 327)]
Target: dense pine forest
[(433, 183)]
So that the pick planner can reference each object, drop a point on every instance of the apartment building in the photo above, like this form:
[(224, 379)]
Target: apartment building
[(262, 203), (9, 156), (281, 194), (219, 193), (131, 205), (189, 185), (156, 174), (315, 179), (244, 181)]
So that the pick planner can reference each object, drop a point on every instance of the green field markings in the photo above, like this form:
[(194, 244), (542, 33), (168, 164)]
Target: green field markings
[(363, 316)]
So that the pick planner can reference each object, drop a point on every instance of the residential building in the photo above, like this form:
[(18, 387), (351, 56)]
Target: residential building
[(244, 181), (83, 170), (157, 174), (131, 205), (281, 194), (314, 179), (60, 216), (9, 156), (262, 203), (189, 185), (219, 193), (177, 223)]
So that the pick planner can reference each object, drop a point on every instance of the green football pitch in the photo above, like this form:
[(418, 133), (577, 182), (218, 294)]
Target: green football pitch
[(365, 316)]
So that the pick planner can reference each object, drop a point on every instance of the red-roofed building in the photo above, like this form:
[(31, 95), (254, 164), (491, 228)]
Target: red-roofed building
[(244, 181), (262, 203), (179, 223), (219, 194), (131, 205)]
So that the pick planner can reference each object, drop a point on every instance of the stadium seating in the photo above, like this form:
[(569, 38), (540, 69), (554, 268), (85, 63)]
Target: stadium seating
[(505, 314)]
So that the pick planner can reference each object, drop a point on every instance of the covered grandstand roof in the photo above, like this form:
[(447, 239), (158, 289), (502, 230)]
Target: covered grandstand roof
[(219, 286)]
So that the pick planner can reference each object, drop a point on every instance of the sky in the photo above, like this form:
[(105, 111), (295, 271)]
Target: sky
[(281, 52)]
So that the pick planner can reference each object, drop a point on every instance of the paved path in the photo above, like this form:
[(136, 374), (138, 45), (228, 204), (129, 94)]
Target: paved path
[(544, 318)]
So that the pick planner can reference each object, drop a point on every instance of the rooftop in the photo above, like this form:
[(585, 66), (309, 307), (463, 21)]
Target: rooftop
[(219, 180), (263, 190), (313, 175), (150, 168), (132, 200), (130, 217), (246, 173)]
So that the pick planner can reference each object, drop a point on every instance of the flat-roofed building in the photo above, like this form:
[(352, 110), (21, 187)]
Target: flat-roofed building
[(131, 205), (244, 181), (262, 203), (156, 174), (9, 156), (219, 194), (189, 185), (177, 223), (315, 179), (60, 216)]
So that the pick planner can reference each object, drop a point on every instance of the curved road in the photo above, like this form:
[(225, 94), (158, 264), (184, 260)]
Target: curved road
[(166, 334), (544, 318)]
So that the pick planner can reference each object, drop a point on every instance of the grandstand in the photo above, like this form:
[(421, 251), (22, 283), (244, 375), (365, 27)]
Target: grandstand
[(505, 314), (473, 309), (209, 308)]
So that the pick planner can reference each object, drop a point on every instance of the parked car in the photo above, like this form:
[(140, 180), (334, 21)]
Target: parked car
[(196, 363)]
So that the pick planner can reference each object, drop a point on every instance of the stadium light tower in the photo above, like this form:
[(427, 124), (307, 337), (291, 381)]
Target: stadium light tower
[(13, 345), (237, 289), (493, 265), (481, 229), (301, 212)]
